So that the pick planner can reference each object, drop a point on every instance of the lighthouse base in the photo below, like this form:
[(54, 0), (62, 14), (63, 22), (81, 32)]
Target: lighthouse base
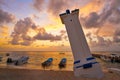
[(89, 70)]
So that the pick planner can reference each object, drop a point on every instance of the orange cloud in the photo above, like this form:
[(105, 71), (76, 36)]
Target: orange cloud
[(107, 30), (4, 31), (93, 6)]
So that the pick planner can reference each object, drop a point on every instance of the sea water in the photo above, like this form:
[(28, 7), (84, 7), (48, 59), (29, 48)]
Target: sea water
[(37, 57)]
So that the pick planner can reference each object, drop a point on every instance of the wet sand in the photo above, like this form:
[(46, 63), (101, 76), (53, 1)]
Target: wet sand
[(27, 74)]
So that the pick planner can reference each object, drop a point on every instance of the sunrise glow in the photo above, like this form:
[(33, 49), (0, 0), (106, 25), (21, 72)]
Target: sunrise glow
[(36, 25)]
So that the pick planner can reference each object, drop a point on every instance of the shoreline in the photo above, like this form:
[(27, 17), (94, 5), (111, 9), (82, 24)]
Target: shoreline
[(35, 74)]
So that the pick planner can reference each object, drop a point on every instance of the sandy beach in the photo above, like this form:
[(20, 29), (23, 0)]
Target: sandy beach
[(27, 74), (33, 70)]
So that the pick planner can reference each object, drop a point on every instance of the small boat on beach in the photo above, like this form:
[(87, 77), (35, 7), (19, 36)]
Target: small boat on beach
[(48, 62), (22, 60), (63, 63), (18, 61), (1, 58)]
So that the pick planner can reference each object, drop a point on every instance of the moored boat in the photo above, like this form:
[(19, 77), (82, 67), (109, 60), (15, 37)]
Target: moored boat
[(22, 60), (17, 61), (63, 63), (48, 62), (0, 58)]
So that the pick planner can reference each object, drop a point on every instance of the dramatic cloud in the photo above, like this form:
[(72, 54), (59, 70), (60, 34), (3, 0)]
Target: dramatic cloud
[(116, 37), (15, 39), (101, 41), (115, 19), (4, 31), (22, 26), (47, 36), (109, 13), (26, 42), (20, 32), (43, 35), (63, 32), (55, 7), (92, 20), (88, 35), (26, 32), (2, 2), (6, 17), (38, 4)]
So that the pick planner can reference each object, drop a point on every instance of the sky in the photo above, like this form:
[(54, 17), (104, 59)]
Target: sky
[(35, 25)]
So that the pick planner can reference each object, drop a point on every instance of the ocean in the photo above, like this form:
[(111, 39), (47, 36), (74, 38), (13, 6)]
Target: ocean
[(37, 57)]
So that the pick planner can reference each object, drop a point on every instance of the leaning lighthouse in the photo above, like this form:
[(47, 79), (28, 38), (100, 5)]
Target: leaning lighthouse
[(85, 64)]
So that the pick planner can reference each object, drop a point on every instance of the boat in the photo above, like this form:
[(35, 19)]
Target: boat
[(22, 60), (9, 60), (0, 58), (63, 63), (17, 61), (48, 62)]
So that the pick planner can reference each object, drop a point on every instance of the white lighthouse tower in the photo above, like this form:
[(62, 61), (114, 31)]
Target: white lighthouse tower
[(85, 64)]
